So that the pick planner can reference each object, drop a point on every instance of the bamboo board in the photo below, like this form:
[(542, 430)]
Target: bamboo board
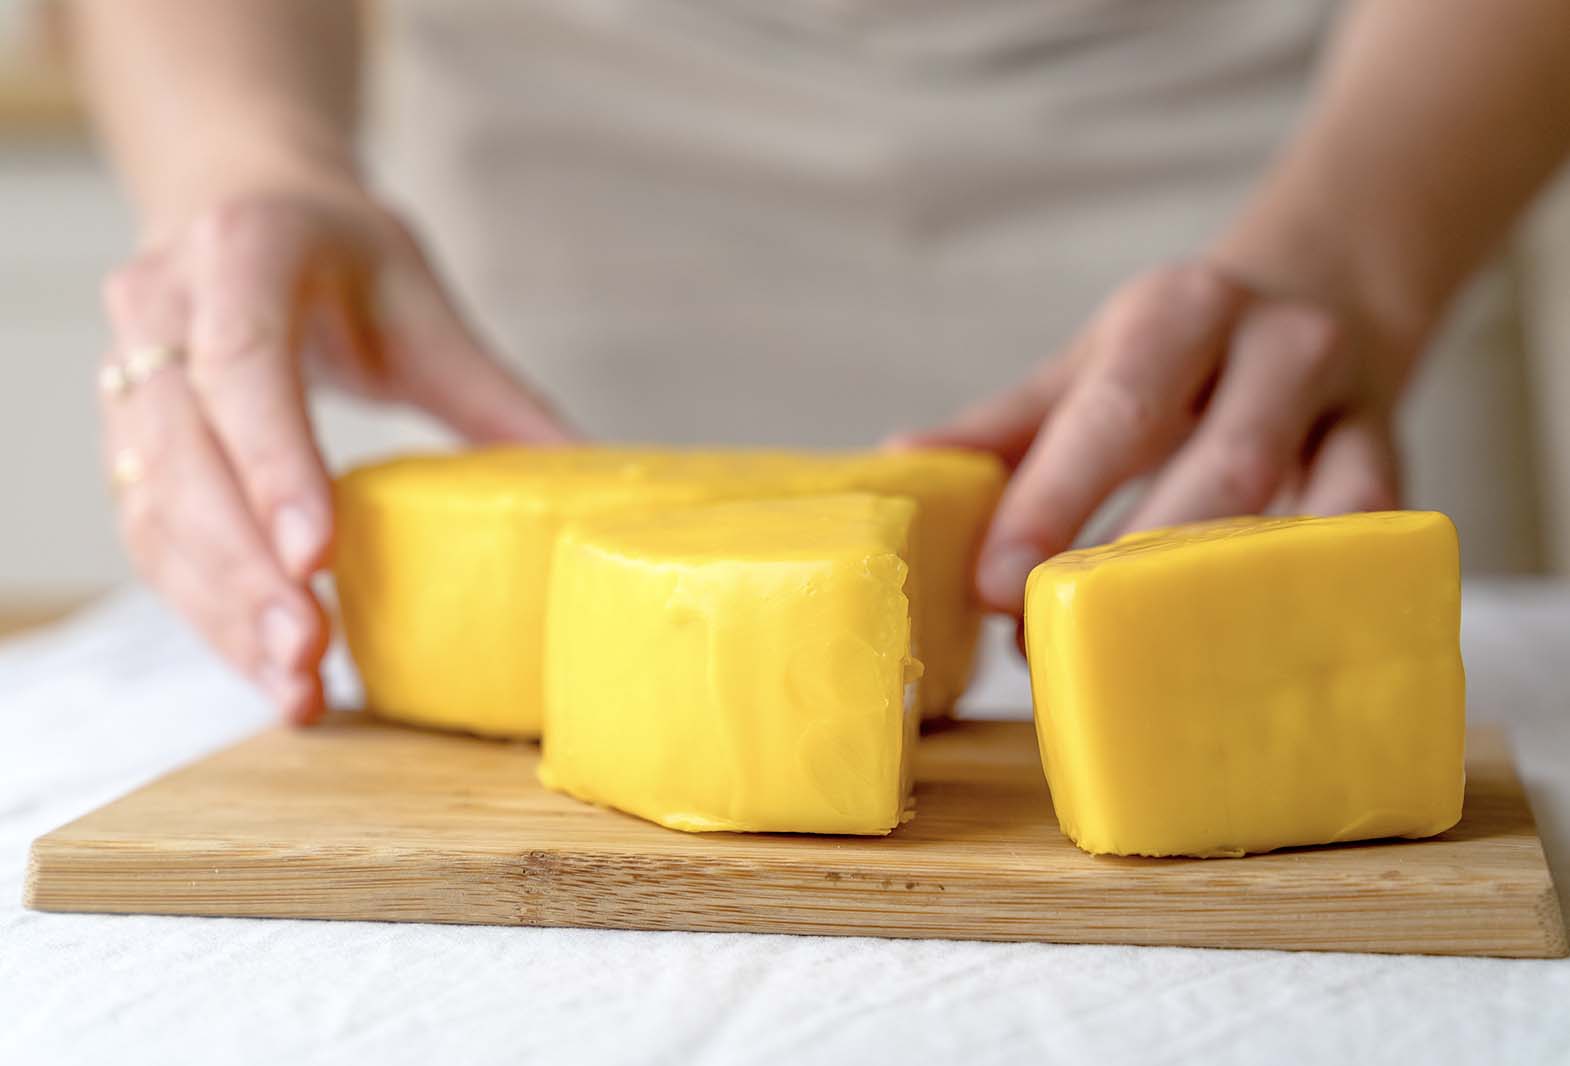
[(362, 820)]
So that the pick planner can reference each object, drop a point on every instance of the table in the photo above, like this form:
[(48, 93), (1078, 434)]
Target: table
[(120, 693)]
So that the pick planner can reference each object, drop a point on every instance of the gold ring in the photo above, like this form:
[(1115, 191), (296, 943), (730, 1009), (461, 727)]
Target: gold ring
[(139, 364), (126, 469)]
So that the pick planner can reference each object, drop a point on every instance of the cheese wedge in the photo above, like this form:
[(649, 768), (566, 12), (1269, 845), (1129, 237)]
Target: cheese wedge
[(737, 666), (441, 560), (1252, 684)]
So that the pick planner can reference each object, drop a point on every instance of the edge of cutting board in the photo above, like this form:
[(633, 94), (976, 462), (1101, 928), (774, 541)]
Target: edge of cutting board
[(362, 820)]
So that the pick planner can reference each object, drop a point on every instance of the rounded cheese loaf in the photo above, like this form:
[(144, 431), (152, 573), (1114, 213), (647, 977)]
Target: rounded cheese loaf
[(737, 666), (442, 560)]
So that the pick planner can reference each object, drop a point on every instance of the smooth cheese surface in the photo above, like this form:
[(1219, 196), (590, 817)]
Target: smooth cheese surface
[(1252, 684), (955, 490), (441, 565), (441, 560), (737, 666)]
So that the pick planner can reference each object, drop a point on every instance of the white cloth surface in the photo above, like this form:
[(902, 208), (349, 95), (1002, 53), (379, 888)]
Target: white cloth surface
[(121, 694)]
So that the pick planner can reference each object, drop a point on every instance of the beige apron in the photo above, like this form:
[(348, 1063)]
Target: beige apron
[(817, 222)]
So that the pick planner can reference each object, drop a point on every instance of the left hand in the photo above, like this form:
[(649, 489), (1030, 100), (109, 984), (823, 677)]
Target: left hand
[(224, 500), (1239, 399)]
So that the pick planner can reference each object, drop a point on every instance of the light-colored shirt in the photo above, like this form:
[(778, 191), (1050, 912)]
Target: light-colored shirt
[(819, 222)]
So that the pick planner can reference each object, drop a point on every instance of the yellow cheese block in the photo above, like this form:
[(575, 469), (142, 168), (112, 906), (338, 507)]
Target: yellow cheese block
[(735, 666), (955, 491), (1252, 684), (441, 566), (441, 560)]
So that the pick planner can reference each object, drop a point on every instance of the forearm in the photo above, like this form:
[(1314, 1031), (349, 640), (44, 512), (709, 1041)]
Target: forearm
[(1436, 123), (201, 99)]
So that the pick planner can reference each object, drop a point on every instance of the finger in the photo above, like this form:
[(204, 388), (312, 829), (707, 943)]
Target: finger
[(1004, 424), (1285, 367), (192, 538), (245, 276), (1356, 468), (445, 370), (184, 519), (1153, 352), (188, 587)]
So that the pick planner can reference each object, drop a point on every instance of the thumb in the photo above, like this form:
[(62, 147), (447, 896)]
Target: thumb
[(447, 371), (482, 401)]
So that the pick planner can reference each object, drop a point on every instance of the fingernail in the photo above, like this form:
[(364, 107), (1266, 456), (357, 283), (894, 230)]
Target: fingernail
[(301, 701), (283, 638), (1002, 574), (295, 539), (297, 698)]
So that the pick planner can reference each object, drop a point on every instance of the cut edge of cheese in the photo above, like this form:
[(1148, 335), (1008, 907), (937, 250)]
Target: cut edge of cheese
[(742, 666)]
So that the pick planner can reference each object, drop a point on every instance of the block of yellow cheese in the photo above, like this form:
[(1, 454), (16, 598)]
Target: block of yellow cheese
[(441, 564), (955, 491), (441, 559), (1252, 684), (735, 666)]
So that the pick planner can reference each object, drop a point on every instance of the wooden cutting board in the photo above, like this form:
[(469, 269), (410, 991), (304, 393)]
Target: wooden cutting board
[(364, 820)]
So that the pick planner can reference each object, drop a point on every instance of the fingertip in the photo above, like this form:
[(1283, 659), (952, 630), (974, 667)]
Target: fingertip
[(1357, 468), (313, 706), (297, 696), (474, 395), (302, 539), (519, 416), (905, 441), (555, 431), (321, 629), (954, 436), (1001, 575), (306, 707), (293, 631), (523, 423)]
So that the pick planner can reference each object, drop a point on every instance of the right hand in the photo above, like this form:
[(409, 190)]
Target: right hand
[(224, 501), (1234, 396)]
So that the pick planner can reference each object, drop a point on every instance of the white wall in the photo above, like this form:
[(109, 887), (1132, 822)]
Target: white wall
[(60, 228)]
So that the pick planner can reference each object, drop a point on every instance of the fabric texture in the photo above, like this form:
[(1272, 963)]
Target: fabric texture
[(121, 694)]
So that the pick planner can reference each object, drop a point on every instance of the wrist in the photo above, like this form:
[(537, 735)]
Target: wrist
[(267, 157)]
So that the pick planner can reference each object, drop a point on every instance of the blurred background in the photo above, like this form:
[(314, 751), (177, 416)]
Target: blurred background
[(63, 225)]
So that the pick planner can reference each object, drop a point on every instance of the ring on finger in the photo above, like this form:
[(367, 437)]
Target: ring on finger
[(126, 469), (139, 364)]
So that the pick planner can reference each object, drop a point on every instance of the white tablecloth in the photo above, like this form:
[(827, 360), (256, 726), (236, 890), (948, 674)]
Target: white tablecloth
[(120, 694)]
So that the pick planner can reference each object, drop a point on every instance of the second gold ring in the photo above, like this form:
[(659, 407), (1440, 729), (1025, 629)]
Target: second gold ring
[(139, 364)]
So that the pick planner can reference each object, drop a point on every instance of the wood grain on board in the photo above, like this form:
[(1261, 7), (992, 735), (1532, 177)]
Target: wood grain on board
[(363, 820)]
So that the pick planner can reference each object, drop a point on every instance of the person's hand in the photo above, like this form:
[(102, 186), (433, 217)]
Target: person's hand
[(1234, 398), (223, 499)]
